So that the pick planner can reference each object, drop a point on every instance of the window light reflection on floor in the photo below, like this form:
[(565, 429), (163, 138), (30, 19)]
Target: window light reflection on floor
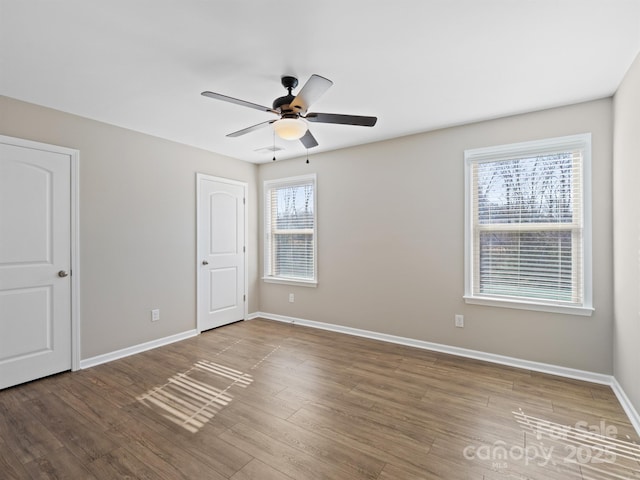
[(192, 398)]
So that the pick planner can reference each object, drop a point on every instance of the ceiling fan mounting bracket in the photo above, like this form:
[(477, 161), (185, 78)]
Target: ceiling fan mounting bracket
[(289, 82)]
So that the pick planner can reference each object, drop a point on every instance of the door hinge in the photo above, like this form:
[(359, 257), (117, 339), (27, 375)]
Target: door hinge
[(244, 249), (244, 298), (244, 201)]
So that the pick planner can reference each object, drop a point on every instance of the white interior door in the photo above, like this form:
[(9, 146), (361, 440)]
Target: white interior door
[(221, 251), (35, 263)]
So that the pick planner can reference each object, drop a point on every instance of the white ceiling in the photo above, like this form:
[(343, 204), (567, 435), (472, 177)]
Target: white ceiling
[(417, 65)]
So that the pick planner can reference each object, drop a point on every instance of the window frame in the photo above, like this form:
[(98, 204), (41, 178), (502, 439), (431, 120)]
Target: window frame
[(268, 243), (520, 150)]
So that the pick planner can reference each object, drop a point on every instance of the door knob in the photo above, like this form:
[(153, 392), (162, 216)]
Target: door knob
[(63, 274), (204, 262)]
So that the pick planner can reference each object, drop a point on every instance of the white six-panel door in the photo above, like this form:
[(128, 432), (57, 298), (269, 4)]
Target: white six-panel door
[(221, 251), (35, 262)]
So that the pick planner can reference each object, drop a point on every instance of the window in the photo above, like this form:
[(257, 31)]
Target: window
[(528, 225), (290, 230)]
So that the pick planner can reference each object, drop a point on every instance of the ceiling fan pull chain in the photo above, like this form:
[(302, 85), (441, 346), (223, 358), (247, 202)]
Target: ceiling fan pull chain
[(274, 146)]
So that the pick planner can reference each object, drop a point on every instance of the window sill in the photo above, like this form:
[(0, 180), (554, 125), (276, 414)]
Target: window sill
[(291, 281), (521, 305)]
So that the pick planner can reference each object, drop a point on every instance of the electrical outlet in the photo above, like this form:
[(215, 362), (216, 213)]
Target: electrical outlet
[(155, 315), (292, 298), (460, 321)]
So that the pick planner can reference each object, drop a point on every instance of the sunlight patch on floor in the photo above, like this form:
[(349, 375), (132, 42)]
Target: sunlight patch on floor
[(192, 398)]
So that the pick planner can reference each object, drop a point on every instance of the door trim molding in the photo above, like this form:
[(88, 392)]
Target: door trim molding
[(245, 187), (74, 156)]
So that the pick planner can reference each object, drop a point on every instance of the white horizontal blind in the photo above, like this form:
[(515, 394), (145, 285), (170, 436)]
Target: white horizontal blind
[(290, 229), (528, 225)]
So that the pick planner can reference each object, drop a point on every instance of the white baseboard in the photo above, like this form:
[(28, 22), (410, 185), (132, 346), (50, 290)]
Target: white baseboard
[(584, 375), (142, 347), (628, 407), (438, 347)]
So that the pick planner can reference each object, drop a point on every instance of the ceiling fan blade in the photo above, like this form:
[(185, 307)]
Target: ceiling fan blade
[(308, 140), (342, 119), (250, 129), (237, 101), (311, 92)]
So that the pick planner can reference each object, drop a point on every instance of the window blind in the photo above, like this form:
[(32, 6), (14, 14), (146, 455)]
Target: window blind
[(290, 229), (528, 224)]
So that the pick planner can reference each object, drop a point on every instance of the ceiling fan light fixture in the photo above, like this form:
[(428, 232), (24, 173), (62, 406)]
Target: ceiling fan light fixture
[(290, 128)]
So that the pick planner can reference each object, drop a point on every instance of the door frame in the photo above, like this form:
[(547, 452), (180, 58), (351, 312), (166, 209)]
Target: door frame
[(74, 156), (244, 185)]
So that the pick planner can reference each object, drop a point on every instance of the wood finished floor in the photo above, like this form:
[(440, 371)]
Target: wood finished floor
[(266, 400)]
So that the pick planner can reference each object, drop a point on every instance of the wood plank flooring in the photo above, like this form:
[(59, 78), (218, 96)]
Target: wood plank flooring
[(265, 400)]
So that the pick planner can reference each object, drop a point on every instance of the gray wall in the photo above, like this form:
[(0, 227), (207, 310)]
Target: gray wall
[(137, 224), (391, 235), (626, 231)]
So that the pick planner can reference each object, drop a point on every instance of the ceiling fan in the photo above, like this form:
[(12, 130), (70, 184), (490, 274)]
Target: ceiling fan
[(292, 111)]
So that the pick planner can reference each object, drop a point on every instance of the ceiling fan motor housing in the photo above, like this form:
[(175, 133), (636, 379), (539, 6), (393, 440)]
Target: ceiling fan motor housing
[(282, 103)]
